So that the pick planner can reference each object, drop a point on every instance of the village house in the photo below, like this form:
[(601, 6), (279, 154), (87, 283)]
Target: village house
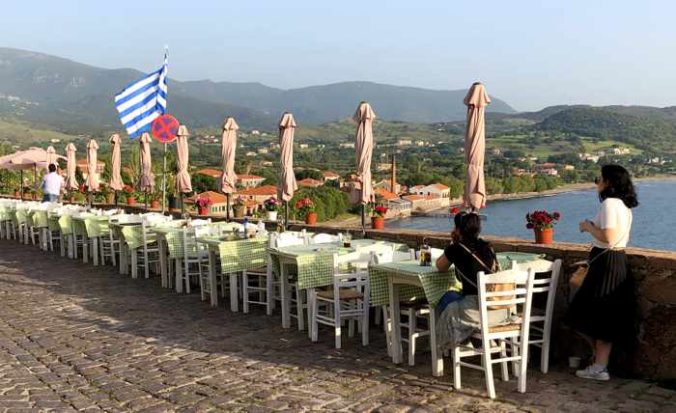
[(83, 167), (432, 190), (310, 183), (262, 151), (303, 146), (219, 202), (404, 142), (346, 145), (258, 194), (331, 176), (214, 173), (249, 181)]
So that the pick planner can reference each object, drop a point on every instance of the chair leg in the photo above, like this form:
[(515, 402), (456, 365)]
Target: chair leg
[(412, 326), (314, 326), (269, 293), (377, 318), (146, 265), (544, 356), (504, 365), (365, 324), (336, 322), (523, 366), (387, 327), (299, 309), (488, 370), (245, 289), (457, 382)]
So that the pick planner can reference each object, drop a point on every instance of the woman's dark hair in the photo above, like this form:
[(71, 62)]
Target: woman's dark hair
[(52, 167), (457, 219), (618, 185), (470, 226)]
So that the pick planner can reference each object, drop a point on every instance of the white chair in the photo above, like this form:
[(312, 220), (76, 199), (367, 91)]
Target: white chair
[(541, 319), (495, 338), (289, 239), (149, 253), (195, 256), (348, 299)]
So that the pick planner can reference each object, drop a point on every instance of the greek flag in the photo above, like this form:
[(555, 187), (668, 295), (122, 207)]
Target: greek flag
[(143, 101)]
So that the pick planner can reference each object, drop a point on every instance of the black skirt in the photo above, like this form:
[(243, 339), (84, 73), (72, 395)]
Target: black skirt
[(604, 306)]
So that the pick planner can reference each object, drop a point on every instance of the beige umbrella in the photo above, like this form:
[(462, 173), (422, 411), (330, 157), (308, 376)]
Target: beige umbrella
[(364, 117), (287, 178), (115, 183), (71, 166), (287, 181), (475, 146), (183, 184), (228, 147), (92, 181), (147, 181), (51, 156)]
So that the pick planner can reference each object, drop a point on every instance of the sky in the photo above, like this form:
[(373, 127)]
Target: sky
[(532, 54)]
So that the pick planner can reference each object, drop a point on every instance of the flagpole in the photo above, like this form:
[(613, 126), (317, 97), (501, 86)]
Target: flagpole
[(164, 180)]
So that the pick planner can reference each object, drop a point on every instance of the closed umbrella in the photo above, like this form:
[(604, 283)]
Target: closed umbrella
[(287, 178), (51, 156), (92, 180), (183, 184), (475, 146), (147, 181), (115, 183), (71, 166), (364, 117), (228, 147)]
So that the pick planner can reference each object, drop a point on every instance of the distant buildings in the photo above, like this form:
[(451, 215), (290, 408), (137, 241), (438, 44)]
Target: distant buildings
[(432, 190), (404, 142), (310, 183), (249, 181), (303, 146), (346, 145)]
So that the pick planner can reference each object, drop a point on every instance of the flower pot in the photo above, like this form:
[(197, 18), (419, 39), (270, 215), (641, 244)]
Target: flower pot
[(71, 199), (271, 215), (378, 222), (544, 235), (239, 211), (173, 203), (110, 198), (203, 210), (17, 194), (311, 218), (155, 204), (131, 200)]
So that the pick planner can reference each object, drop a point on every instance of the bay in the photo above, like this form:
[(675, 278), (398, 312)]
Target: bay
[(654, 218)]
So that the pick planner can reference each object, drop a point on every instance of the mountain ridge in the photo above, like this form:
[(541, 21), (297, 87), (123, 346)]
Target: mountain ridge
[(81, 95)]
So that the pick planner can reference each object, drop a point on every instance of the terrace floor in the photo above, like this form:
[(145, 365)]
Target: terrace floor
[(76, 337)]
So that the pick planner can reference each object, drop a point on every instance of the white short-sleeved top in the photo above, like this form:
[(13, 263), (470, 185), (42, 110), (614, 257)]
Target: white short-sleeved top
[(614, 214), (51, 183)]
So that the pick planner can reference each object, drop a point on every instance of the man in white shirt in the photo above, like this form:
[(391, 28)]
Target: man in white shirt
[(51, 185)]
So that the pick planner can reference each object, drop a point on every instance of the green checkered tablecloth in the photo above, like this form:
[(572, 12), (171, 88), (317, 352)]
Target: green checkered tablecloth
[(79, 227), (241, 255), (174, 235), (29, 218), (40, 219), (5, 214), (313, 264), (133, 236), (53, 223), (94, 226), (20, 216), (434, 283), (65, 224)]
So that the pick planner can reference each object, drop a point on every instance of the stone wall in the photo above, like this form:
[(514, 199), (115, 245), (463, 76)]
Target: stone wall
[(653, 355)]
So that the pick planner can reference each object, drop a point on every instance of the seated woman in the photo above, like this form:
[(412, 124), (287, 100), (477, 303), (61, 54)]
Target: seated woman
[(470, 254)]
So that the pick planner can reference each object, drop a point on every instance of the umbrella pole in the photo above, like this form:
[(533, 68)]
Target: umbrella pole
[(164, 180), (21, 184), (363, 220), (182, 206), (145, 200), (115, 196), (286, 215), (227, 207)]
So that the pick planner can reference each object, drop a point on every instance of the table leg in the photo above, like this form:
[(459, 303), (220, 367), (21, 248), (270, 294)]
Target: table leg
[(95, 250), (134, 262), (71, 246), (395, 320), (179, 277), (284, 294), (85, 249), (437, 359), (123, 258), (234, 294), (213, 287), (162, 248)]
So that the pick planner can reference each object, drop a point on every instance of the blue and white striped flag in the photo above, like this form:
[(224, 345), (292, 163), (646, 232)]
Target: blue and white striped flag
[(143, 101)]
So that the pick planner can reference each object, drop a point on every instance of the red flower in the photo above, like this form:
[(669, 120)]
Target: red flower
[(455, 211)]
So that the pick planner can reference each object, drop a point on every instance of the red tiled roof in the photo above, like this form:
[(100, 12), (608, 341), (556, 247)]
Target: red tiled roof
[(385, 194), (330, 174), (413, 198), (440, 187), (215, 197), (267, 190), (214, 173), (309, 182)]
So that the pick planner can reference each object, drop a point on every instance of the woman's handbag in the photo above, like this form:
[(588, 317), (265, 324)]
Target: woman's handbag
[(578, 276), (492, 287)]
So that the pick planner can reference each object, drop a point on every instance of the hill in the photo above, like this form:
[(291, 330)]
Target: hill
[(77, 98)]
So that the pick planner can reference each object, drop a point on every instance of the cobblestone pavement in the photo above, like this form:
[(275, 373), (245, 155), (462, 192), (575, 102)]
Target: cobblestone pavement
[(76, 337)]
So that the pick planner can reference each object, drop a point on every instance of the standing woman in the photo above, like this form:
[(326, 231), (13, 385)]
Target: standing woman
[(603, 308)]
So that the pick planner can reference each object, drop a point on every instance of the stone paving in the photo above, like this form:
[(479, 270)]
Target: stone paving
[(75, 337)]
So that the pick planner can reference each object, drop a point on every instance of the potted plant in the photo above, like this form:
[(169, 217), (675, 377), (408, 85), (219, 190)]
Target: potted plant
[(129, 192), (239, 209), (17, 193), (155, 200), (542, 223), (378, 216), (203, 205), (306, 209), (271, 206)]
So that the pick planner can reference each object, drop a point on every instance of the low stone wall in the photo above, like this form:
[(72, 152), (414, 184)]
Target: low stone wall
[(653, 355)]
